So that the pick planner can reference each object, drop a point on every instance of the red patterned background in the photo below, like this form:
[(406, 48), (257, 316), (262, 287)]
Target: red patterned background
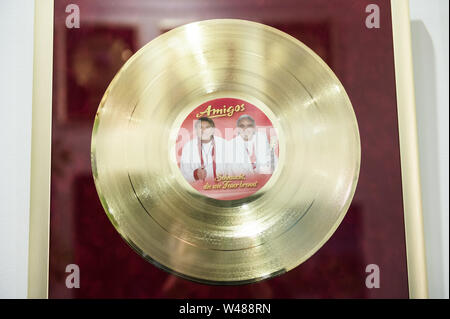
[(86, 59)]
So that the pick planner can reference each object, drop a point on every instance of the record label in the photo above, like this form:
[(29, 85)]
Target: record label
[(227, 148)]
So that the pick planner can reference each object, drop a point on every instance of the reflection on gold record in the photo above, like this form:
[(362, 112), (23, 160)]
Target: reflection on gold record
[(225, 151)]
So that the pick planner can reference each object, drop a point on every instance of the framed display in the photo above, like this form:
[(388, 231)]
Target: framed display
[(377, 251)]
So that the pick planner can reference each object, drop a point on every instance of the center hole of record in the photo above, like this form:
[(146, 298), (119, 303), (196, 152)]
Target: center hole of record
[(227, 149)]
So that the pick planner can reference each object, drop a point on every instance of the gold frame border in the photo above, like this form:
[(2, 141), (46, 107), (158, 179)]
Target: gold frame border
[(41, 150), (38, 247), (409, 154)]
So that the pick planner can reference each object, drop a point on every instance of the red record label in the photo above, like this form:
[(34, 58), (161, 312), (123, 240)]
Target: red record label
[(227, 148)]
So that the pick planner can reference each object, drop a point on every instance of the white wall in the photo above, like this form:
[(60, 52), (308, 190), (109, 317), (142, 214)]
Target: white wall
[(430, 51), (16, 78), (429, 26)]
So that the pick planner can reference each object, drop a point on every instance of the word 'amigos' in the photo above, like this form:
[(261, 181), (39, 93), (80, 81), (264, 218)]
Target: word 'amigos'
[(225, 111)]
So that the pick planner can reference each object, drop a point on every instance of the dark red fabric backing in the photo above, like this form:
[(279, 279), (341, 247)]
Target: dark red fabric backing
[(86, 59)]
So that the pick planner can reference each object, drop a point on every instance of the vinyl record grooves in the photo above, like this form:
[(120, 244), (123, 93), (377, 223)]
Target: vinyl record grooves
[(225, 221)]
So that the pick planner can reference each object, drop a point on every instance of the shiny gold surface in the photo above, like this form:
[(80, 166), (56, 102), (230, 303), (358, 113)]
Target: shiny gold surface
[(200, 238)]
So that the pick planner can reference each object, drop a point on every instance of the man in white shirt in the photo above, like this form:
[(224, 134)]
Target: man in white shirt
[(250, 150), (203, 157)]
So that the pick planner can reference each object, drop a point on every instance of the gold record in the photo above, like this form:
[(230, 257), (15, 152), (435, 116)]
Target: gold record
[(209, 240)]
